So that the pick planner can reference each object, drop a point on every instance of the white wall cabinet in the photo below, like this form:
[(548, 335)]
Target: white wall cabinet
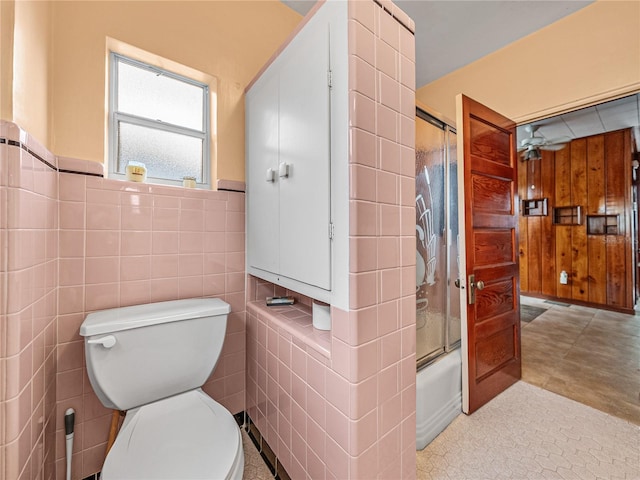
[(292, 116)]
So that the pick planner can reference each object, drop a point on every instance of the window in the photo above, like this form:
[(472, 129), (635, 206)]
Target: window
[(160, 119)]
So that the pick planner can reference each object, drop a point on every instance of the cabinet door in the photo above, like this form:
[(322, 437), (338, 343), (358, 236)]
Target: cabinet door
[(262, 144), (305, 205)]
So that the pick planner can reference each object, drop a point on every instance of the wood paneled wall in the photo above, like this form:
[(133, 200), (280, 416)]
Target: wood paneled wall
[(595, 174)]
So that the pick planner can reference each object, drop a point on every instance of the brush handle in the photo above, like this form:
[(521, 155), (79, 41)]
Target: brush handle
[(69, 420), (69, 441)]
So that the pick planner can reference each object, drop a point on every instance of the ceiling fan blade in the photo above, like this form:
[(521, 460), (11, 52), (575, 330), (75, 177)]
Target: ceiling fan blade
[(553, 147), (532, 141), (563, 139)]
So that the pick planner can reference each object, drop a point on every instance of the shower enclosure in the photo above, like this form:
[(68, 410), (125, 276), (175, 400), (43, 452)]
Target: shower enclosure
[(437, 297)]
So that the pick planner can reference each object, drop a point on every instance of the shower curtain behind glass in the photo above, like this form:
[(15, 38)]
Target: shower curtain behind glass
[(437, 298)]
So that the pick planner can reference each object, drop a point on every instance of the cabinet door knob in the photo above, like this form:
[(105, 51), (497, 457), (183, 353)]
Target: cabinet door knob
[(270, 175), (283, 170)]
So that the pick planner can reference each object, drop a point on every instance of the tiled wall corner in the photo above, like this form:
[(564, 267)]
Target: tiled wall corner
[(381, 323), (28, 232)]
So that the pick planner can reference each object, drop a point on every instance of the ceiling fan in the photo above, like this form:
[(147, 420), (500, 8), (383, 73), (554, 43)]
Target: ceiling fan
[(532, 145)]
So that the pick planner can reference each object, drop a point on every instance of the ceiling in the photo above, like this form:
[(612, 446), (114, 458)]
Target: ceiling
[(453, 33), (606, 117)]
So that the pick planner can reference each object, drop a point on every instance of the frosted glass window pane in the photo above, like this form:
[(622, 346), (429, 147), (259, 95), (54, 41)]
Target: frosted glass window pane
[(166, 155), (148, 94)]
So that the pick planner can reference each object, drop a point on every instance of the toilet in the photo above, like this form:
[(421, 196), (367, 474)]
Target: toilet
[(152, 360)]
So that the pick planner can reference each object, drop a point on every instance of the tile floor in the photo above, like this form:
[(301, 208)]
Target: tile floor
[(589, 355), (254, 466), (529, 433)]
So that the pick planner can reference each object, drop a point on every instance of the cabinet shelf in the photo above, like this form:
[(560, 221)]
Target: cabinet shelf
[(602, 225), (570, 215), (534, 207)]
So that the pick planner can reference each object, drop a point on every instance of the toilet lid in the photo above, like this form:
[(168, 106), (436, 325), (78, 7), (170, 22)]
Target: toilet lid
[(188, 436)]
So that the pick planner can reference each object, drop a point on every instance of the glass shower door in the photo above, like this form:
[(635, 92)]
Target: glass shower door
[(437, 307)]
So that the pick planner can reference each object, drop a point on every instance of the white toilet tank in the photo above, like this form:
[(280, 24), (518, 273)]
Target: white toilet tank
[(143, 353)]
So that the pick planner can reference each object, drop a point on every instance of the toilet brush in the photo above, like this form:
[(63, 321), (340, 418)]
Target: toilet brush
[(69, 419)]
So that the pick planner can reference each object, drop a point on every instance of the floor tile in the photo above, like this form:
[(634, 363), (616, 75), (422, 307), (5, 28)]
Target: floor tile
[(528, 432), (588, 355)]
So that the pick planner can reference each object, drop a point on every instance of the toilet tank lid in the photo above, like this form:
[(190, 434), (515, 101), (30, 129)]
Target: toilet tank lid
[(136, 316)]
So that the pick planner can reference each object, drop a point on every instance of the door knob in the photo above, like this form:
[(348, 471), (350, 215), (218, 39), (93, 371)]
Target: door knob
[(480, 285), (270, 175), (283, 170)]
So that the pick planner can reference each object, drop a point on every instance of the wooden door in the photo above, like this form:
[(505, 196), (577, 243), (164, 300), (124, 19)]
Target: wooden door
[(489, 206)]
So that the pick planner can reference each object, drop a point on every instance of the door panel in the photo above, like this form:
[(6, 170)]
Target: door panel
[(489, 143), (491, 194), (494, 352), (262, 154), (492, 246), (305, 208), (491, 329), (495, 299)]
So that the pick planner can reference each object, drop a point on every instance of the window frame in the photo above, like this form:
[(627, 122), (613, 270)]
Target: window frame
[(115, 117)]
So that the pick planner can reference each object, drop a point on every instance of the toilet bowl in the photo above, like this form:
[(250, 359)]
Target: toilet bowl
[(151, 361)]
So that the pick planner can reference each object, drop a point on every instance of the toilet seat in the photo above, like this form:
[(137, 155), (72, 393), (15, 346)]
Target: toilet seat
[(187, 436)]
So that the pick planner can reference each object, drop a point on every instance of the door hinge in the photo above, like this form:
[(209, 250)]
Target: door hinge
[(330, 78), (331, 231)]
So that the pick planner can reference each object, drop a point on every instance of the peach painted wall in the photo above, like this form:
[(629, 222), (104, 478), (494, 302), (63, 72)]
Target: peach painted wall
[(7, 18), (229, 40), (78, 243), (28, 307), (341, 404), (25, 68), (588, 57)]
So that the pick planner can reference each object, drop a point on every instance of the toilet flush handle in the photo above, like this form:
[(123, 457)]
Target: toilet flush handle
[(107, 341)]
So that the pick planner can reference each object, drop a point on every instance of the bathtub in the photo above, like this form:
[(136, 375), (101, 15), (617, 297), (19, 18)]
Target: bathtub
[(438, 397)]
